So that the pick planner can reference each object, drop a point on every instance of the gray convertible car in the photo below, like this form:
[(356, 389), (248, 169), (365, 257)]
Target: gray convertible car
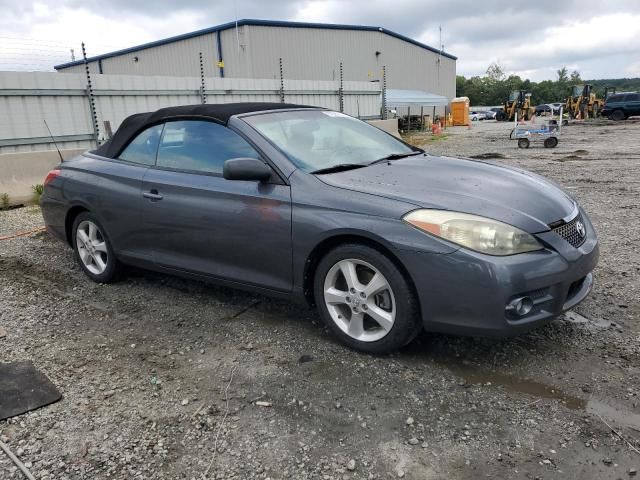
[(310, 204)]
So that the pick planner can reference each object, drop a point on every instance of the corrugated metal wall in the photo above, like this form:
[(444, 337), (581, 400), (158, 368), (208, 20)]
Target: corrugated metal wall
[(27, 99), (317, 53), (308, 53)]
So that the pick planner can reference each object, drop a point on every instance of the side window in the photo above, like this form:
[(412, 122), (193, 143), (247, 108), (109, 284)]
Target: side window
[(143, 148), (632, 97), (200, 146)]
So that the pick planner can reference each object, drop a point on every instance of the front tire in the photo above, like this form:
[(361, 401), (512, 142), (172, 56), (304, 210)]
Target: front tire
[(365, 299), (93, 251)]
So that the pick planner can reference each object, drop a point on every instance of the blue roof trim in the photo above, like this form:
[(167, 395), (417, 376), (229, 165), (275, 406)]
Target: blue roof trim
[(261, 23)]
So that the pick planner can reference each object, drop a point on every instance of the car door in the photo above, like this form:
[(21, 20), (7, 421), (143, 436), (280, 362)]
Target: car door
[(200, 222), (632, 104), (115, 195)]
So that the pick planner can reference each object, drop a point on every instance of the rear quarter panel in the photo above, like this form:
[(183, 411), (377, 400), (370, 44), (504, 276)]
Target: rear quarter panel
[(112, 191), (54, 207)]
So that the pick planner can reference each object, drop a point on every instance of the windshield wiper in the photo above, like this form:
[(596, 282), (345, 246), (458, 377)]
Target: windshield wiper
[(395, 156), (341, 167)]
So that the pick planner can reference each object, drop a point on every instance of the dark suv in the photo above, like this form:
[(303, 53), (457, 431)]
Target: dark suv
[(622, 106)]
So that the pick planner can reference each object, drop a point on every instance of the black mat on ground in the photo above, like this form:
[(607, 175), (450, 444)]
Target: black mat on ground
[(23, 388)]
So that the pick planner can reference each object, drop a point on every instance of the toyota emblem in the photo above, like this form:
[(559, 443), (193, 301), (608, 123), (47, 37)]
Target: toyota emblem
[(580, 228)]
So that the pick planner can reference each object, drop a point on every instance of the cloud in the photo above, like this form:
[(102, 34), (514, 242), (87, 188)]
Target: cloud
[(529, 38)]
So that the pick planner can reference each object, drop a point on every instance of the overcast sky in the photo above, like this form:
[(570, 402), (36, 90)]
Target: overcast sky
[(601, 39)]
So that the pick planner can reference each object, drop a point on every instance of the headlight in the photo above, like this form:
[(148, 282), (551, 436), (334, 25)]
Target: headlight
[(476, 233)]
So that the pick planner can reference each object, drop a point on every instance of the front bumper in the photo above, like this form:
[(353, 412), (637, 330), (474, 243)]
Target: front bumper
[(469, 293)]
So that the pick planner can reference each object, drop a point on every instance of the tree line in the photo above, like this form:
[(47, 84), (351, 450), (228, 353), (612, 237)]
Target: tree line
[(494, 87)]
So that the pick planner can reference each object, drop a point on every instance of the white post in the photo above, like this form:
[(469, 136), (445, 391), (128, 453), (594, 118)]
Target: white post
[(560, 122)]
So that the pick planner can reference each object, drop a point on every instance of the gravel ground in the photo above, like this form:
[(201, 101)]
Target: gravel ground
[(169, 378)]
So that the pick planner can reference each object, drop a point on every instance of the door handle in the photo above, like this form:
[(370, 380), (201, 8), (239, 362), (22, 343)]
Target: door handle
[(153, 195)]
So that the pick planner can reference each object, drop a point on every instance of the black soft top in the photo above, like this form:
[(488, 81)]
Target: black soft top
[(134, 124)]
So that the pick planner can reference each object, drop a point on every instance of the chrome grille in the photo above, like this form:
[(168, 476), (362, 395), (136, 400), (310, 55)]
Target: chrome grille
[(570, 233)]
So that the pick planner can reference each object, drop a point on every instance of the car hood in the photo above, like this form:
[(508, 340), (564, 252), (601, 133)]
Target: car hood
[(517, 197)]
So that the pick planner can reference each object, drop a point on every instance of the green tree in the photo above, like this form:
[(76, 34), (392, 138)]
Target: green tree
[(563, 75), (494, 87), (495, 72)]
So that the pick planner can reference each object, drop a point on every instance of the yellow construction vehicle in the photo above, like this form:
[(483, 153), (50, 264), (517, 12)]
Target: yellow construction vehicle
[(584, 103), (519, 102)]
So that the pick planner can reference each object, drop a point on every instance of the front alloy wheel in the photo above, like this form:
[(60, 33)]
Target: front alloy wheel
[(365, 299), (360, 300)]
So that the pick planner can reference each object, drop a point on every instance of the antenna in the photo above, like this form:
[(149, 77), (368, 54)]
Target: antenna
[(54, 140)]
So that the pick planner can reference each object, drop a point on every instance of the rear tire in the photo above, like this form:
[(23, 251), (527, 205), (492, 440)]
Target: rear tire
[(617, 115), (372, 307), (523, 143), (93, 251), (551, 142)]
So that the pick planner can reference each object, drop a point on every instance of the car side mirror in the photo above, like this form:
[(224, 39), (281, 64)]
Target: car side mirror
[(246, 169)]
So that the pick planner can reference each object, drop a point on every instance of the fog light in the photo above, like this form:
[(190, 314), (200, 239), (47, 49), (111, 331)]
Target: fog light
[(520, 306)]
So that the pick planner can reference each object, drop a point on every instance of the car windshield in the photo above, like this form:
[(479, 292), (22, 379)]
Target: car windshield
[(321, 139)]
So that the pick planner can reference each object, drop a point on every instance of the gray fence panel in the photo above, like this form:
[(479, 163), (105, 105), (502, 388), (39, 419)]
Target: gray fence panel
[(27, 99)]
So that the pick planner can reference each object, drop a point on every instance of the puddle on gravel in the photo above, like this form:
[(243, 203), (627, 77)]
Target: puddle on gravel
[(487, 156), (476, 376)]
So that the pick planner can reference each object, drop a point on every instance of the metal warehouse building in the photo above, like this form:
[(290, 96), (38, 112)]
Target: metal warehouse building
[(309, 51)]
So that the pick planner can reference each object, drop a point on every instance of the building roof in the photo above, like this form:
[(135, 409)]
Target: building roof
[(222, 112), (262, 23)]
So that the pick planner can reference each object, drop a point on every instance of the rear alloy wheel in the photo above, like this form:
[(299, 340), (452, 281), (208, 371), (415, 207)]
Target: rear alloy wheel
[(551, 142), (523, 142), (93, 250), (365, 299)]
